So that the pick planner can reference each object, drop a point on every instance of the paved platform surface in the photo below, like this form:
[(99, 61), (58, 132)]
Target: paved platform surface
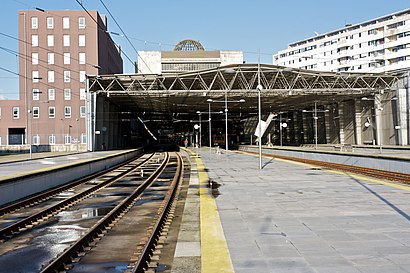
[(18, 164), (291, 217)]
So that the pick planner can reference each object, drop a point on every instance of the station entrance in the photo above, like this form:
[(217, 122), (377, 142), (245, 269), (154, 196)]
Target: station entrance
[(220, 107)]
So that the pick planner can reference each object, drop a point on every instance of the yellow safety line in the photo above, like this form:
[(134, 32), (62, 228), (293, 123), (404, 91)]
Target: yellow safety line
[(370, 179), (215, 255)]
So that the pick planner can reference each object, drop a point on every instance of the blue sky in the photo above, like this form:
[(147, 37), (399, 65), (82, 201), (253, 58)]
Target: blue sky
[(267, 25)]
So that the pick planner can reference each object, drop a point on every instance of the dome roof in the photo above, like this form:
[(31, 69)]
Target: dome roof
[(189, 45)]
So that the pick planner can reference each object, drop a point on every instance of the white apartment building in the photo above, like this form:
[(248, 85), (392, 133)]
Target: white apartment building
[(377, 45)]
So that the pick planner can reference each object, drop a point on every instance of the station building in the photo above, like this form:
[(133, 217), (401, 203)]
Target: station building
[(57, 49), (188, 55)]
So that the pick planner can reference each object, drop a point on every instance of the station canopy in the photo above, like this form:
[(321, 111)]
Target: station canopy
[(283, 89)]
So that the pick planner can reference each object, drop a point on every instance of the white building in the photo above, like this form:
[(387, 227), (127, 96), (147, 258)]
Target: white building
[(188, 55), (377, 45)]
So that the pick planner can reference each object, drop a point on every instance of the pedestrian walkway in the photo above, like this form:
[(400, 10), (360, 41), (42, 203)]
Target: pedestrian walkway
[(291, 217)]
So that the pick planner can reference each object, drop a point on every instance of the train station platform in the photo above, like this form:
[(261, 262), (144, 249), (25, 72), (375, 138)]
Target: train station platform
[(15, 165), (290, 217)]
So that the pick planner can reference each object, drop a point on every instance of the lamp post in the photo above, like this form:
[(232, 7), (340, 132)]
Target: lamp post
[(200, 128), (259, 88), (226, 115), (315, 117)]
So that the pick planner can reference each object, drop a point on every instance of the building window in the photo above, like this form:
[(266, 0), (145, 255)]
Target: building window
[(66, 58), (50, 76), (81, 22), (36, 94), (34, 40), (51, 94), (83, 138), (67, 139), (34, 23), (66, 23), (66, 40), (51, 112), (35, 76), (50, 58), (36, 140), (67, 76), (82, 76), (81, 40), (81, 58), (52, 139), (16, 112), (67, 111), (50, 22), (36, 112), (34, 58), (0, 112), (50, 40), (82, 94), (82, 111), (67, 94)]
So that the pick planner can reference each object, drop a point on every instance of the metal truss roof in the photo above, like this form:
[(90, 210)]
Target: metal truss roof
[(283, 88)]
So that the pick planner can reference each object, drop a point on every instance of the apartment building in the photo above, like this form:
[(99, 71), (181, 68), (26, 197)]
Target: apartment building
[(57, 49), (377, 45), (188, 55)]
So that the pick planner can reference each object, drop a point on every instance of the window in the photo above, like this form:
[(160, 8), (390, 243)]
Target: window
[(67, 76), (16, 112), (0, 112), (82, 94), (34, 58), (51, 94), (67, 111), (36, 112), (52, 139), (83, 138), (50, 22), (50, 76), (82, 76), (50, 58), (34, 40), (81, 22), (67, 94), (66, 40), (51, 112), (67, 139), (36, 140), (66, 58), (81, 40), (50, 40), (81, 58), (82, 111), (35, 76), (66, 23), (34, 23), (36, 94)]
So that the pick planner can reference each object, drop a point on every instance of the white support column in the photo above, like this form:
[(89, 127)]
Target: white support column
[(341, 123), (378, 111), (358, 120), (402, 116)]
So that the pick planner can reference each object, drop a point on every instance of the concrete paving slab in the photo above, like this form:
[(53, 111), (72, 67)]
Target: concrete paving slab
[(295, 218)]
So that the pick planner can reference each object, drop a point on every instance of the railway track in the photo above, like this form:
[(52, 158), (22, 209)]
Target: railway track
[(131, 182), (381, 174)]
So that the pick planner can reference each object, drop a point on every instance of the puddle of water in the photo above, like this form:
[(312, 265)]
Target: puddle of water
[(84, 213)]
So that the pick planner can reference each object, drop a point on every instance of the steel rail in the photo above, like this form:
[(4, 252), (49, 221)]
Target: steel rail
[(74, 251), (38, 198), (38, 217), (146, 254)]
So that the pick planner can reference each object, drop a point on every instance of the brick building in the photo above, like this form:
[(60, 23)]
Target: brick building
[(57, 49)]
